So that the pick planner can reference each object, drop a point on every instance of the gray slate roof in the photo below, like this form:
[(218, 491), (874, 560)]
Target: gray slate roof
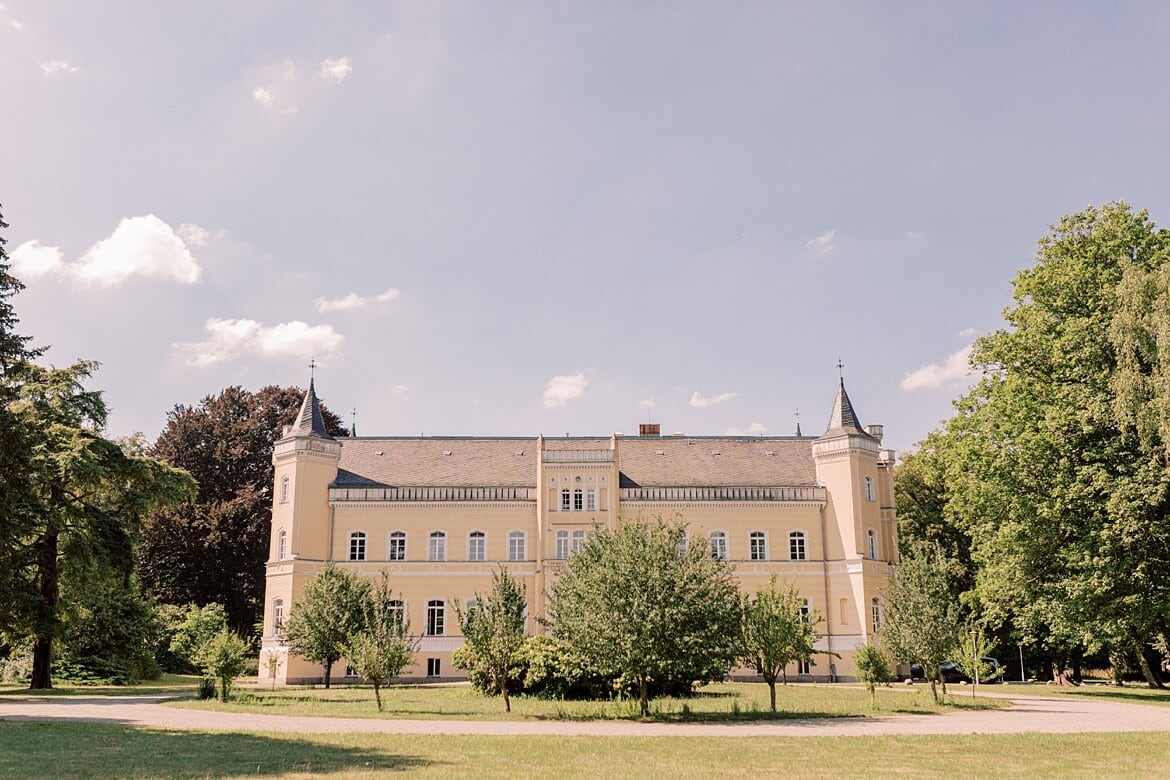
[(688, 461), (310, 422)]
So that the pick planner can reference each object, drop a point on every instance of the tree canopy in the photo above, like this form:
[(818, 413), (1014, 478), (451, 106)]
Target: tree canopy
[(641, 604), (332, 609), (213, 549), (493, 629), (776, 632), (1054, 469)]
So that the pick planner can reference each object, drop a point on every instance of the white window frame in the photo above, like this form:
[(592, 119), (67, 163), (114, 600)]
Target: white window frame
[(281, 544), (872, 542), (566, 500), (758, 545), (522, 553), (806, 611), (875, 613), (437, 546), (358, 552), (391, 538), (398, 606), (869, 488), (795, 539), (284, 489), (578, 500), (590, 500), (562, 545), (578, 541), (434, 667), (277, 616), (474, 537), (718, 543), (436, 617)]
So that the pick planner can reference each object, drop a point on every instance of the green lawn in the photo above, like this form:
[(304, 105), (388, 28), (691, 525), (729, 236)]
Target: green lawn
[(723, 701), (1132, 693), (43, 750), (168, 683)]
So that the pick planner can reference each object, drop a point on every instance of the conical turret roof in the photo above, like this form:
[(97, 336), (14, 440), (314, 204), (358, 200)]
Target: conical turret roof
[(310, 422), (843, 420)]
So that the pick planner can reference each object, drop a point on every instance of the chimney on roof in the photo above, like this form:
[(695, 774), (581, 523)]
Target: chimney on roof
[(649, 429)]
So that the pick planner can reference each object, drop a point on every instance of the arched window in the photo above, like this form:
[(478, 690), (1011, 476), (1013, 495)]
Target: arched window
[(871, 539), (517, 546), (875, 608), (869, 488), (437, 546), (476, 546), (284, 482), (436, 617), (578, 500), (357, 546), (277, 616), (758, 544), (396, 546), (719, 545), (797, 550), (281, 545)]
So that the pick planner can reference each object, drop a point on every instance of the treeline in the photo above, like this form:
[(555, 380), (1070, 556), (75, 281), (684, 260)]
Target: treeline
[(1046, 497)]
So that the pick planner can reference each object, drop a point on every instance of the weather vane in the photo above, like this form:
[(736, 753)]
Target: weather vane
[(312, 368), (840, 368)]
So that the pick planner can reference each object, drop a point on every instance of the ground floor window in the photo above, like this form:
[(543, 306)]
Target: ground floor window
[(433, 667), (803, 667)]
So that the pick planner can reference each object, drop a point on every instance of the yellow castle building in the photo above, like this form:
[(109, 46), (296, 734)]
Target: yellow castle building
[(440, 513)]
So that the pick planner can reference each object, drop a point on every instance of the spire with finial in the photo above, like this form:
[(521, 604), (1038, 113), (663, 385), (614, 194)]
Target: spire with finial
[(798, 433), (843, 419), (353, 423), (310, 422)]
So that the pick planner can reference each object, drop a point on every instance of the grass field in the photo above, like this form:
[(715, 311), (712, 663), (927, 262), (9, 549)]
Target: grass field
[(168, 683), (1132, 693), (723, 701), (41, 750)]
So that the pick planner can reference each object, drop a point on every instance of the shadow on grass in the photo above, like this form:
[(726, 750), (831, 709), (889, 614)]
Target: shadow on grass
[(1153, 697), (42, 749)]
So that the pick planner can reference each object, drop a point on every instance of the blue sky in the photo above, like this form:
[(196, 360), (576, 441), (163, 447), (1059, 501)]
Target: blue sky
[(512, 218)]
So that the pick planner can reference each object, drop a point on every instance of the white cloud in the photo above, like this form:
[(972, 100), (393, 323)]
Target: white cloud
[(399, 389), (354, 301), (53, 67), (562, 389), (263, 96), (755, 429), (822, 244), (647, 403), (968, 333), (20, 27), (139, 246), (953, 369), (698, 399), (228, 339), (31, 259), (193, 235), (337, 70), (913, 235)]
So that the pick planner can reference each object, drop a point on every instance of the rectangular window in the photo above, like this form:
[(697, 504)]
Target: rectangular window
[(562, 545), (438, 548), (397, 612), (719, 545), (433, 667), (578, 500), (802, 667), (590, 501), (566, 501), (759, 547), (396, 551), (436, 618), (357, 547), (516, 551), (578, 540), (796, 550), (476, 546), (805, 611)]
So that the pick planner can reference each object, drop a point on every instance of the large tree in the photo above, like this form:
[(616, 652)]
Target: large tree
[(213, 549), (642, 605), (82, 506), (383, 646), (1059, 468)]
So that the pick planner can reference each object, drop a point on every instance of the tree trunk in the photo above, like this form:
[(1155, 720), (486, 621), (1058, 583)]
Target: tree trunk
[(772, 690), (933, 690), (328, 668), (1147, 671), (378, 695), (504, 690), (644, 695), (46, 611), (943, 682)]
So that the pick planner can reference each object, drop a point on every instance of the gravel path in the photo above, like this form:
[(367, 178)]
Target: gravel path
[(1051, 715)]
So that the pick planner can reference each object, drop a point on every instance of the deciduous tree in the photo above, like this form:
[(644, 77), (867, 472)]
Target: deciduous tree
[(639, 603), (776, 632), (872, 666), (383, 646), (331, 610), (493, 627)]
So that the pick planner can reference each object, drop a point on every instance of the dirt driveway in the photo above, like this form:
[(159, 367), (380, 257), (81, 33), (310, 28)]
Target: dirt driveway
[(1064, 714)]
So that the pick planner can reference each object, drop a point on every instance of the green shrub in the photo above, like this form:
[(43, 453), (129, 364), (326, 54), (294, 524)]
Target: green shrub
[(206, 689), (90, 670)]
